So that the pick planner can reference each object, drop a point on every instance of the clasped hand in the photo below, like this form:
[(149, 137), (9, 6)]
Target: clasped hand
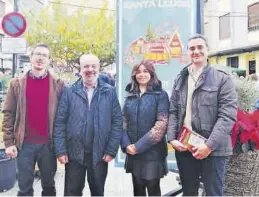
[(200, 152), (131, 149)]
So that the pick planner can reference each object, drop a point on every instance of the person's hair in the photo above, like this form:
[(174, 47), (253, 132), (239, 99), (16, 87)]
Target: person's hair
[(252, 77), (85, 55), (197, 36), (154, 81), (40, 45)]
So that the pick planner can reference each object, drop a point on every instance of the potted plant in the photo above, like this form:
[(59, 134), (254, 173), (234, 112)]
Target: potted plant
[(243, 167)]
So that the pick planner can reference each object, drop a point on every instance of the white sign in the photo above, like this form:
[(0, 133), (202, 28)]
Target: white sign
[(196, 140), (13, 45)]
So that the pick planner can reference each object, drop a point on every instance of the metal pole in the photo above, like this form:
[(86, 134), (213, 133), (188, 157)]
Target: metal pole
[(16, 9)]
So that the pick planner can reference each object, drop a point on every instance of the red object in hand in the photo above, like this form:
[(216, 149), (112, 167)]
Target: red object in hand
[(190, 138)]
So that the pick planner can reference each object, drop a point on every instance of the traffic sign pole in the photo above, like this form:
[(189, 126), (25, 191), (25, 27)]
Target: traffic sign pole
[(14, 25), (16, 9)]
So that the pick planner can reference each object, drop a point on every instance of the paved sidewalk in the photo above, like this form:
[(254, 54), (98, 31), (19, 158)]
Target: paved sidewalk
[(118, 183)]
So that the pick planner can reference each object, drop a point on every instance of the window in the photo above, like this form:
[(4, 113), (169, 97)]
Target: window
[(252, 67), (253, 17), (2, 8), (224, 27), (232, 62)]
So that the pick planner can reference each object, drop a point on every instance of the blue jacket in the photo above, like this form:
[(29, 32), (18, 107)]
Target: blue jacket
[(107, 79), (70, 123), (144, 123)]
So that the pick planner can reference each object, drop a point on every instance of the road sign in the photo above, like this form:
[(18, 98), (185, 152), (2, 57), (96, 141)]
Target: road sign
[(14, 24), (13, 45)]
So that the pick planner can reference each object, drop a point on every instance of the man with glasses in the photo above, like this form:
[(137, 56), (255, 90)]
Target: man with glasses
[(88, 129), (29, 113)]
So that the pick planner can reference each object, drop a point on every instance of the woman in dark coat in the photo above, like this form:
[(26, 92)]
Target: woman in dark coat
[(145, 117)]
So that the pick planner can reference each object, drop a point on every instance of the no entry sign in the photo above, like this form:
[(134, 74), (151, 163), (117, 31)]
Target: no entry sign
[(14, 24)]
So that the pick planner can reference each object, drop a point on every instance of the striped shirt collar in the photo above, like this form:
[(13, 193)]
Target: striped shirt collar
[(38, 77)]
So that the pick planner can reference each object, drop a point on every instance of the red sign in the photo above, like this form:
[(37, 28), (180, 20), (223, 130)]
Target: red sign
[(14, 24)]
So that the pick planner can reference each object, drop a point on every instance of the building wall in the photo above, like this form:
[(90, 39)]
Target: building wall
[(240, 37), (8, 8), (88, 3), (213, 9), (31, 5), (244, 59)]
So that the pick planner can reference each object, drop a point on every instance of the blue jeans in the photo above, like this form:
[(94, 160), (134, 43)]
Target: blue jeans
[(46, 160), (210, 171)]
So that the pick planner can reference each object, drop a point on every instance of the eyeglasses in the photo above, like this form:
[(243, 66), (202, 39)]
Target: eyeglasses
[(40, 54)]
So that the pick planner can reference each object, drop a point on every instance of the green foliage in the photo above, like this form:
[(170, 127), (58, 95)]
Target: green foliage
[(70, 35), (5, 81), (247, 92)]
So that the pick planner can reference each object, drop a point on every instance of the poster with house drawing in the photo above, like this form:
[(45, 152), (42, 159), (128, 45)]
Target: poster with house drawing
[(156, 31)]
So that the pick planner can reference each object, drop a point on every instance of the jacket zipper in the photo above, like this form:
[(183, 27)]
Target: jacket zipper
[(139, 101), (197, 85)]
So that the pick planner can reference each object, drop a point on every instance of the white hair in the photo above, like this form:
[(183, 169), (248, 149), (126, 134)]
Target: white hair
[(88, 57)]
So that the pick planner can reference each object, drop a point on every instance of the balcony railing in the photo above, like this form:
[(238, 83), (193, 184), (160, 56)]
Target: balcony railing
[(253, 28)]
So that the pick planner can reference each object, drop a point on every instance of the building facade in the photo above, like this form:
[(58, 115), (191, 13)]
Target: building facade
[(31, 5), (232, 29), (87, 4)]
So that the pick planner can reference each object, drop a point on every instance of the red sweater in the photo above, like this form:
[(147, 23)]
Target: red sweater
[(37, 99)]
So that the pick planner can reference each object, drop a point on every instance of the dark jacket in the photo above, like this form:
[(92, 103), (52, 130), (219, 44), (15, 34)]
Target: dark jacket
[(70, 123), (144, 123), (214, 108), (107, 79)]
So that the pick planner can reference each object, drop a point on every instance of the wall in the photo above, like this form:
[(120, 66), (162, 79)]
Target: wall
[(244, 59), (240, 37)]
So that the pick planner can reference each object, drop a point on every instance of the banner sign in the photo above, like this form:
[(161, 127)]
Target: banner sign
[(157, 31)]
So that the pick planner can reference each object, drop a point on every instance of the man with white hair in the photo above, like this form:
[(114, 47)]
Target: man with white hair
[(88, 129)]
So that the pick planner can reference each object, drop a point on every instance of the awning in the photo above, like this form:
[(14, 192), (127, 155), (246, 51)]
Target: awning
[(236, 50)]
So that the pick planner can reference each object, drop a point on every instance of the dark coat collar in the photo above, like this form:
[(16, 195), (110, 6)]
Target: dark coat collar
[(102, 86), (184, 73)]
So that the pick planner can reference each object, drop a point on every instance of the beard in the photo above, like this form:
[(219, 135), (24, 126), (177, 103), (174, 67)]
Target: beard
[(90, 78)]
